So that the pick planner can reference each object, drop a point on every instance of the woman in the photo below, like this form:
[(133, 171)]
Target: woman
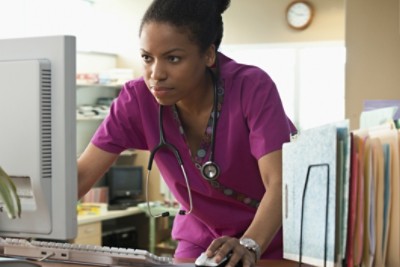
[(239, 212)]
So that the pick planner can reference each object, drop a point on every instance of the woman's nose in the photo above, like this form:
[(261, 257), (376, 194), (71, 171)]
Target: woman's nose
[(158, 71)]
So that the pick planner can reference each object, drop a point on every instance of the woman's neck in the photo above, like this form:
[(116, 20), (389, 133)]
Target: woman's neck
[(198, 103)]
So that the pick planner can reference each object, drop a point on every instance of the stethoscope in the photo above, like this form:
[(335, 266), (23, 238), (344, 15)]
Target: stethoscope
[(209, 170)]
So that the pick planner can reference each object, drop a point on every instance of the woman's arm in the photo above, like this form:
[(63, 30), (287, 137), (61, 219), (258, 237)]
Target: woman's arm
[(267, 220), (92, 165)]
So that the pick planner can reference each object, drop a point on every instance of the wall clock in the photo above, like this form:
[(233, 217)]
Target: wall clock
[(299, 14)]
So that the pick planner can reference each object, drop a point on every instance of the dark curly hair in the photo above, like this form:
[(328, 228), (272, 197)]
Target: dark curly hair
[(201, 19)]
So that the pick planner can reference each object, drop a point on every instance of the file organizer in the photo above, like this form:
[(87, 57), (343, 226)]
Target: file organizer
[(315, 193), (326, 211), (357, 222)]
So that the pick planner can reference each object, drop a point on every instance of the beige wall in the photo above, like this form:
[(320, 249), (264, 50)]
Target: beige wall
[(245, 22), (263, 21), (373, 53)]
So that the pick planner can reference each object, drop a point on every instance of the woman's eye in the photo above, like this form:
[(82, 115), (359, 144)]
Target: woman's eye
[(146, 58), (173, 59)]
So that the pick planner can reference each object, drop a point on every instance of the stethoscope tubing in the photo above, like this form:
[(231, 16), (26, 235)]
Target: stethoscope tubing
[(166, 213), (211, 176), (215, 115), (163, 143)]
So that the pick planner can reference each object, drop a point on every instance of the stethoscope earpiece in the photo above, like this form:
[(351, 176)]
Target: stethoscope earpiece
[(182, 212)]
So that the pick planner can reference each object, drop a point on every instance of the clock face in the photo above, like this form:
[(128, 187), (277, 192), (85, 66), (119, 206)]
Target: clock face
[(299, 15)]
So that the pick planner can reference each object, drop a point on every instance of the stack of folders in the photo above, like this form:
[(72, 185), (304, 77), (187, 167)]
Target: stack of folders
[(341, 191)]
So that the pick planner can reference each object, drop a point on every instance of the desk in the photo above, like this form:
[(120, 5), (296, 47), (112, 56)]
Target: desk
[(90, 226), (261, 263), (156, 208), (112, 214)]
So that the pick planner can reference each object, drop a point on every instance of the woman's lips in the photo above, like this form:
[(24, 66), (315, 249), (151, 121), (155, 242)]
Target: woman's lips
[(159, 91)]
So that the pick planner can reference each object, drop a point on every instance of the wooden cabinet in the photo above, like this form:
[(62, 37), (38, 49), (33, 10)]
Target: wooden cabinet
[(95, 229), (89, 234)]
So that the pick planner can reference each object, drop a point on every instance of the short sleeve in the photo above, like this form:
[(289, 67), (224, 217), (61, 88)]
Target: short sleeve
[(269, 126), (123, 128)]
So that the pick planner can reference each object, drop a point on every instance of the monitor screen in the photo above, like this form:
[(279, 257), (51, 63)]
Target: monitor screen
[(38, 135), (124, 182)]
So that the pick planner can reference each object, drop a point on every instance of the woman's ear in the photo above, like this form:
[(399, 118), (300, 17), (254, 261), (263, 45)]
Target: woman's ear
[(210, 56)]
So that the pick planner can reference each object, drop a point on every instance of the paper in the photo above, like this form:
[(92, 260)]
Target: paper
[(377, 117), (372, 104)]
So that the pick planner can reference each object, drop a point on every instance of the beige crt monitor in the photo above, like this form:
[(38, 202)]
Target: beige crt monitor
[(38, 134)]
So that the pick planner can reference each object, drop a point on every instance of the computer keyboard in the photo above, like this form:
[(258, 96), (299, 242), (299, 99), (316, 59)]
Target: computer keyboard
[(83, 254)]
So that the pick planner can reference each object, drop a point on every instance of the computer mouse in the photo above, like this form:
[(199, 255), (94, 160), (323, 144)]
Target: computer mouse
[(204, 261)]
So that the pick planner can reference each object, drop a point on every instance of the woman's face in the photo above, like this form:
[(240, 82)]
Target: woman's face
[(173, 67)]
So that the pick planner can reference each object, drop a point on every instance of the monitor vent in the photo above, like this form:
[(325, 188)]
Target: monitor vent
[(45, 85)]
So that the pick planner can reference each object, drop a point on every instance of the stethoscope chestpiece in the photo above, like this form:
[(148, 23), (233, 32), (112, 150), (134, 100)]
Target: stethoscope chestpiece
[(210, 171)]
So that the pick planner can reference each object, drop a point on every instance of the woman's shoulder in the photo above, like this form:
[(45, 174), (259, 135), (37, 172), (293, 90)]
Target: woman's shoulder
[(135, 91), (238, 76), (233, 70), (135, 84), (136, 87)]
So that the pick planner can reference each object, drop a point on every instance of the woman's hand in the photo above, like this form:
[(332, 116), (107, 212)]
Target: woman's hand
[(225, 246)]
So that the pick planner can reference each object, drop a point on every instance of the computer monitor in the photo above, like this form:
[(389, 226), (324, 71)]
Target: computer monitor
[(38, 135), (125, 184)]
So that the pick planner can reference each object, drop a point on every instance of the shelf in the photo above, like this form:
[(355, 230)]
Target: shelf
[(97, 85), (90, 118), (85, 219)]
